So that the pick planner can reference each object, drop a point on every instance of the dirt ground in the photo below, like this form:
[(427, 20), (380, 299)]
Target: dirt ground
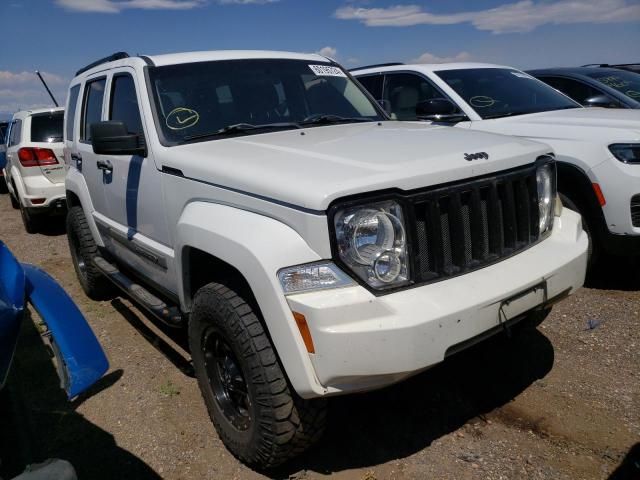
[(560, 402)]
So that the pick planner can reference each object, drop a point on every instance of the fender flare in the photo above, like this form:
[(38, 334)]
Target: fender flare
[(76, 184), (257, 246)]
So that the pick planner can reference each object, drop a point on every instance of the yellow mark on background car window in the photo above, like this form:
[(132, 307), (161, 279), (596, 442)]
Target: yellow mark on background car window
[(181, 118), (481, 101)]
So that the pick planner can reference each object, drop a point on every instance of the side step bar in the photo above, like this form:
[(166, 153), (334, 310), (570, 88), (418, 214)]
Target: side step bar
[(141, 296)]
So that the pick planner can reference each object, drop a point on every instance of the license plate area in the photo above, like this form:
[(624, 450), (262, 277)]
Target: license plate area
[(523, 301)]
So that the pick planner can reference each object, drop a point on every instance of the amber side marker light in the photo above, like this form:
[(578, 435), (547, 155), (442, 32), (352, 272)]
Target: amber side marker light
[(304, 331), (599, 194)]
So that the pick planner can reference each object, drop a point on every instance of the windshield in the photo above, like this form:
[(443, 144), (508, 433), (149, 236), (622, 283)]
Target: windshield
[(47, 127), (501, 92), (225, 98), (627, 83)]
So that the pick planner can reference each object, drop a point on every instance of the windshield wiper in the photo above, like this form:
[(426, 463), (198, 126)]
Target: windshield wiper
[(328, 119), (243, 128)]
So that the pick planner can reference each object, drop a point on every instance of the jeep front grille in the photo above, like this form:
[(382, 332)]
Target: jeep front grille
[(466, 226), (635, 210)]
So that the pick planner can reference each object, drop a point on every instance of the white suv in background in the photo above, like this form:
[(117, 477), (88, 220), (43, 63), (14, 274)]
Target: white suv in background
[(597, 150), (35, 164)]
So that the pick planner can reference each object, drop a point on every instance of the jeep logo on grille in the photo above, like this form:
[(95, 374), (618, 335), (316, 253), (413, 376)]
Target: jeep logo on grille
[(476, 156)]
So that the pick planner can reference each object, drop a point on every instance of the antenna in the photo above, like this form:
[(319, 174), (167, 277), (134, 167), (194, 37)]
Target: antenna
[(46, 86)]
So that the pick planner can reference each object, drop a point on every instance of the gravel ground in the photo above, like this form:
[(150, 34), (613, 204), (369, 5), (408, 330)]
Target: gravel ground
[(560, 402)]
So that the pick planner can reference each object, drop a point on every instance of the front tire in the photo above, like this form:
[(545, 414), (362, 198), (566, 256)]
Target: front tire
[(259, 418), (83, 250)]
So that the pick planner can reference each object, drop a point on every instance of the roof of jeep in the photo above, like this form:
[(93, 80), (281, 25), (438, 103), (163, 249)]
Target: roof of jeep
[(209, 56), (122, 59)]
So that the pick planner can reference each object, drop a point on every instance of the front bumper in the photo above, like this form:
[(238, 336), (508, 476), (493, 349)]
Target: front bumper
[(364, 342)]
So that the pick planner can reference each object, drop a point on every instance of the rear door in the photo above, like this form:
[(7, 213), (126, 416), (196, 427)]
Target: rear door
[(45, 132)]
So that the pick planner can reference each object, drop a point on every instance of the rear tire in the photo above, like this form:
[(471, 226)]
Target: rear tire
[(83, 250), (3, 185), (31, 222), (258, 416), (14, 197)]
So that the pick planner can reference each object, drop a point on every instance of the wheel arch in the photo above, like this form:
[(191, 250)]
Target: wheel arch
[(218, 243)]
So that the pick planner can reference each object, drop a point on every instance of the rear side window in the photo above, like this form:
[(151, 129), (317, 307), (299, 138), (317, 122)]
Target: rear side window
[(71, 111), (3, 131), (93, 96), (47, 127), (16, 133), (124, 103)]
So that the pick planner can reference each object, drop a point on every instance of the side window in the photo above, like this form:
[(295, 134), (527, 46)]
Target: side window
[(16, 133), (124, 103), (92, 113), (404, 91), (373, 83), (575, 89), (71, 112)]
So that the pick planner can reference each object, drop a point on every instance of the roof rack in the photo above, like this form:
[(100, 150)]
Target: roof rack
[(110, 58), (597, 65), (392, 64)]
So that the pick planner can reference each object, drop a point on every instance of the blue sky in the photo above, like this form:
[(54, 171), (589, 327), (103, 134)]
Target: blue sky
[(60, 36)]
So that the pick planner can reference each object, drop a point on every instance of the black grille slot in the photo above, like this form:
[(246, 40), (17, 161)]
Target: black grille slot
[(466, 226), (635, 210)]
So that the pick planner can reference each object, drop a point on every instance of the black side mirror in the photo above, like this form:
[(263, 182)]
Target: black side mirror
[(599, 101), (439, 110), (113, 138)]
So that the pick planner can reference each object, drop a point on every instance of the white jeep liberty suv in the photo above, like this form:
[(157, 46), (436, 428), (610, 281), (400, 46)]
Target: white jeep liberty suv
[(311, 246)]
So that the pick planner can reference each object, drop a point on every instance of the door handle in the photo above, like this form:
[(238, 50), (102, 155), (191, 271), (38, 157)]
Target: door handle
[(76, 157), (105, 165)]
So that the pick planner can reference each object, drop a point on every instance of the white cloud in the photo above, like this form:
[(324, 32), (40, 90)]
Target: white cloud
[(116, 6), (521, 16), (327, 51), (427, 57), (23, 90)]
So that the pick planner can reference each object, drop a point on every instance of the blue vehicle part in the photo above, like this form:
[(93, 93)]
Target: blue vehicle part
[(12, 301), (3, 160), (80, 358)]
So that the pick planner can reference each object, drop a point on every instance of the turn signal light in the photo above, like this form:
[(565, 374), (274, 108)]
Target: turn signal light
[(599, 194), (36, 157), (301, 321)]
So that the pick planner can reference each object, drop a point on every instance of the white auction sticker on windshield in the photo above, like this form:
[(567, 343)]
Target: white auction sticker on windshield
[(327, 71)]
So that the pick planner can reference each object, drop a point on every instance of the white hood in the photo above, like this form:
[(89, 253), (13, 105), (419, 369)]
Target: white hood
[(312, 167), (606, 125)]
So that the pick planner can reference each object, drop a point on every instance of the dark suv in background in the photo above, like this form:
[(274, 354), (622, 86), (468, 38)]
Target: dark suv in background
[(594, 86)]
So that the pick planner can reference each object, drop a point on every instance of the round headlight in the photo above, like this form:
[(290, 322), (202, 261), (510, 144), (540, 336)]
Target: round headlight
[(371, 241), (374, 232), (544, 177), (387, 266)]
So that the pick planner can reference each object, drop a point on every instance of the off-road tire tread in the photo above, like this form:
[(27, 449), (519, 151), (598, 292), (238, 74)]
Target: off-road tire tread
[(287, 424), (96, 286)]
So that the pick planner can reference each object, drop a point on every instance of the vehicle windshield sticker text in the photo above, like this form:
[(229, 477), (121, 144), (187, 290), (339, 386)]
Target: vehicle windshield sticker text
[(481, 101), (181, 118), (327, 71), (633, 94)]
